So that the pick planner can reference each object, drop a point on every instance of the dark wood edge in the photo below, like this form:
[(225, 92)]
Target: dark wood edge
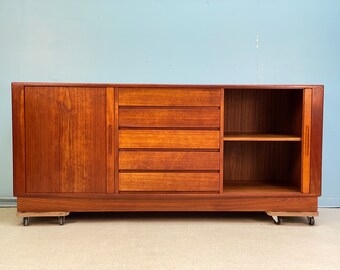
[(110, 164), (163, 204), (316, 140), (221, 161), (116, 139), (18, 138), (231, 86), (172, 195)]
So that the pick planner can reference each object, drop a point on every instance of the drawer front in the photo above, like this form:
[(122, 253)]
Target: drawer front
[(204, 117), (199, 139), (160, 160), (169, 181), (169, 97)]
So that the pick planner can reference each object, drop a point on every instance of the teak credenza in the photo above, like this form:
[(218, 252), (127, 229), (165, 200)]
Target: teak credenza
[(116, 147)]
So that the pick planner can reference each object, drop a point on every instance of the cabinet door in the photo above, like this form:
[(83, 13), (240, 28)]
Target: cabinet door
[(306, 140), (66, 139)]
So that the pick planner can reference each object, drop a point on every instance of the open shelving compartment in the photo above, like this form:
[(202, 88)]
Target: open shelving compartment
[(262, 141)]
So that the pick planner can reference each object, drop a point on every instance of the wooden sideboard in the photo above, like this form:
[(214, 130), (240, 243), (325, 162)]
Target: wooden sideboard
[(119, 147)]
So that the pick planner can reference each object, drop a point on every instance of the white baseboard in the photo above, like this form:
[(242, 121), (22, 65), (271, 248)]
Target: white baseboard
[(329, 202), (8, 202)]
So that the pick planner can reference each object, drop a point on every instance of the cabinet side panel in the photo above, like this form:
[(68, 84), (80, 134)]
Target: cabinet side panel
[(316, 140), (18, 136)]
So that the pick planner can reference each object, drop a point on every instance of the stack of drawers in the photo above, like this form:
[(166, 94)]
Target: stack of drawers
[(169, 139)]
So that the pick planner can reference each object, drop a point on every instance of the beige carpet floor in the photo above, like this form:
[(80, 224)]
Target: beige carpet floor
[(170, 241)]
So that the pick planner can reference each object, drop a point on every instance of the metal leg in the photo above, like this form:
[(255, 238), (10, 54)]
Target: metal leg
[(277, 220), (61, 220), (311, 221), (25, 221)]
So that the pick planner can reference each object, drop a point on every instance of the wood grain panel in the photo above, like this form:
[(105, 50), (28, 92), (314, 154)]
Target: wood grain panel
[(200, 139), (18, 135), (169, 117), (305, 146), (260, 137), (160, 160), (169, 97), (110, 174), (221, 141), (65, 139), (116, 138), (169, 203), (316, 140), (166, 181), (261, 163)]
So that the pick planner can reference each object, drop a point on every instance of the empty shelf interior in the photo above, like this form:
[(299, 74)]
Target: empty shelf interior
[(262, 165), (263, 111)]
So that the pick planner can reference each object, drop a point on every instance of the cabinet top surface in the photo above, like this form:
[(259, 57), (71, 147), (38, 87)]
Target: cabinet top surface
[(227, 86)]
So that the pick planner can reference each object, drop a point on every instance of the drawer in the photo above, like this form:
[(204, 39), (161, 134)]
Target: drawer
[(199, 139), (169, 97), (164, 181), (204, 117), (161, 160)]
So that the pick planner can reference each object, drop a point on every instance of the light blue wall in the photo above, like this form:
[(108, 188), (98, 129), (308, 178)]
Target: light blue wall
[(174, 41)]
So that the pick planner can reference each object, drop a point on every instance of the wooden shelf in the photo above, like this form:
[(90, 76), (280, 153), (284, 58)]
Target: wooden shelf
[(265, 189), (260, 137)]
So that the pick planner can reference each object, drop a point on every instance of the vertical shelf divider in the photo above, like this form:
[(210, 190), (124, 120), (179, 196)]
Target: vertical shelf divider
[(110, 162), (116, 133), (222, 141)]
